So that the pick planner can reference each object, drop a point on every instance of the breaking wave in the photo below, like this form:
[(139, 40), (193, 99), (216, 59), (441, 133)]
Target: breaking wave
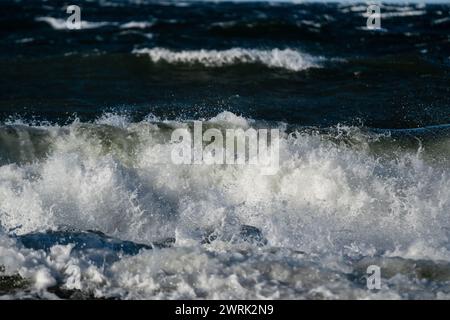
[(341, 194), (276, 58), (61, 24)]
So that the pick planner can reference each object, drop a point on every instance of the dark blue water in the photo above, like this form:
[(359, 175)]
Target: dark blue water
[(394, 78)]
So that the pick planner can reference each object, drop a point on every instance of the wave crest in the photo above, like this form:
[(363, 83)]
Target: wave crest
[(288, 59), (122, 183)]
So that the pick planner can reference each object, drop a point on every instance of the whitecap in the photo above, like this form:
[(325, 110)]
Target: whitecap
[(136, 25), (61, 24), (288, 59)]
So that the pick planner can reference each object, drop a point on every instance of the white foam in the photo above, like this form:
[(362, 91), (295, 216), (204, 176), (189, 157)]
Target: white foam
[(136, 25), (442, 20), (329, 199), (275, 58), (403, 14), (122, 183), (61, 24)]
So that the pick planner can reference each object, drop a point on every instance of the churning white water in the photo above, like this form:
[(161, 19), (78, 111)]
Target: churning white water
[(343, 198)]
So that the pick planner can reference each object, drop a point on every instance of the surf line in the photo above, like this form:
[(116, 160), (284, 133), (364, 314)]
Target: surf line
[(262, 149)]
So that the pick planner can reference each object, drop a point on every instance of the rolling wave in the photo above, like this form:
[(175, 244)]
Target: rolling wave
[(60, 24)]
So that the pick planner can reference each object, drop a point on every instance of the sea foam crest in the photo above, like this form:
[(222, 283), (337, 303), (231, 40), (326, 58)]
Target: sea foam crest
[(288, 59), (61, 24)]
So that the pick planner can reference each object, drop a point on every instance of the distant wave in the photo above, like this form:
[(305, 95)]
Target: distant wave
[(60, 24), (403, 14), (276, 58), (136, 25)]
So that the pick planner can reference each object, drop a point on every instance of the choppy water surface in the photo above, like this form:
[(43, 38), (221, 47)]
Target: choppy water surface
[(91, 208)]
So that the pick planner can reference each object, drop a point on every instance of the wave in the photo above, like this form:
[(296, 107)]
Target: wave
[(61, 24), (288, 59), (137, 25), (339, 192), (401, 13), (441, 21), (118, 174)]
